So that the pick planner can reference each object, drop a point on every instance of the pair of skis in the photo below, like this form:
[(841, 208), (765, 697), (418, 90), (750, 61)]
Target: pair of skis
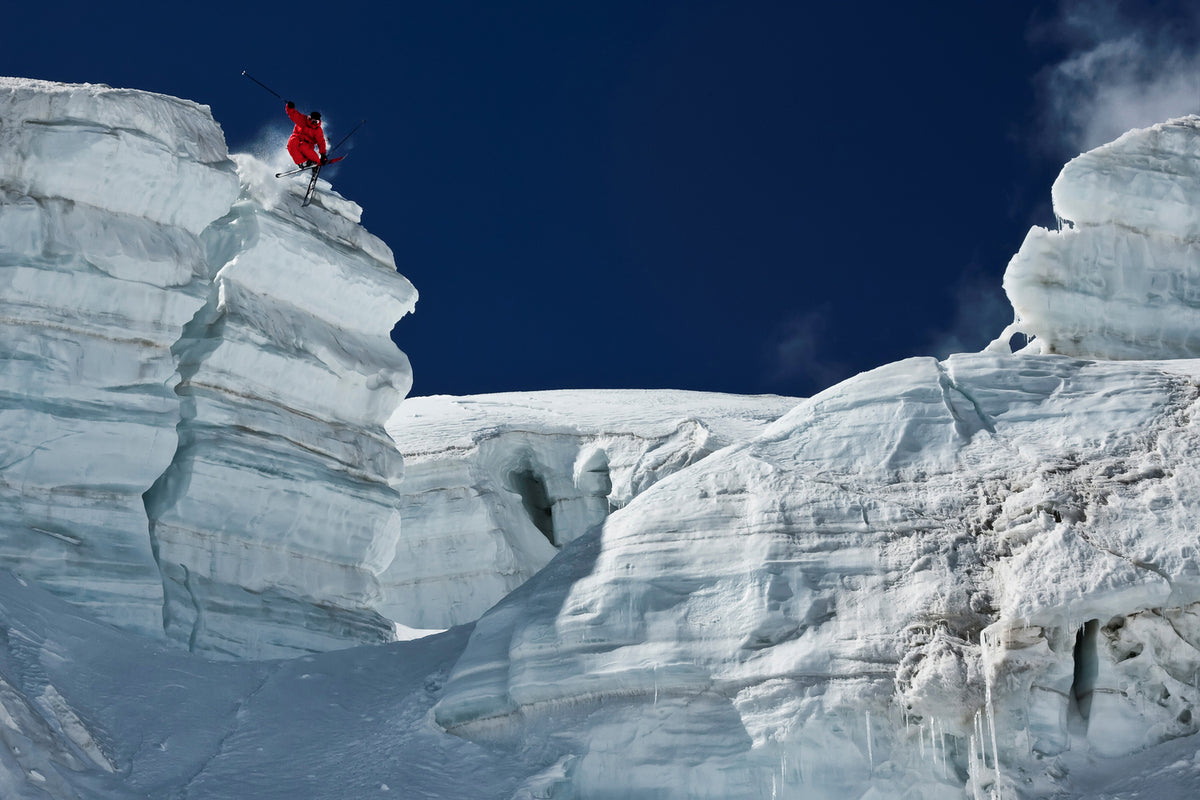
[(298, 170), (312, 183)]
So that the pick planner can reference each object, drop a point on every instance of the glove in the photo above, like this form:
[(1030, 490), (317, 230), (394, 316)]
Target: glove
[(290, 104)]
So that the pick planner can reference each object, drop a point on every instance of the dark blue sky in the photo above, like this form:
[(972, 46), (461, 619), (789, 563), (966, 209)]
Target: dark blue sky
[(731, 196)]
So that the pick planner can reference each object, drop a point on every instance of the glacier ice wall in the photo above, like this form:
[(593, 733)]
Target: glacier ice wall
[(103, 196), (1122, 278), (288, 375), (496, 484), (196, 376), (828, 609)]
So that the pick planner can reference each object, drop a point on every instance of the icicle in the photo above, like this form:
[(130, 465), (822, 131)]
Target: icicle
[(973, 767), (991, 712), (921, 738), (992, 730), (942, 745), (870, 752)]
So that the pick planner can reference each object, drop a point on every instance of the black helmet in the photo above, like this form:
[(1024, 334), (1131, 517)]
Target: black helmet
[(315, 114)]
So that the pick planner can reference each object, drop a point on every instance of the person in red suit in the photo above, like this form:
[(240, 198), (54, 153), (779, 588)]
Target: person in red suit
[(306, 145)]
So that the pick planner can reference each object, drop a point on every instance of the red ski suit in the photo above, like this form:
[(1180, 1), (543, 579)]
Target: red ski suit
[(306, 139)]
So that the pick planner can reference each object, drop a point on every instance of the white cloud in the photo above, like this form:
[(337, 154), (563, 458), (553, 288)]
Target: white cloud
[(981, 311), (798, 356), (1124, 69)]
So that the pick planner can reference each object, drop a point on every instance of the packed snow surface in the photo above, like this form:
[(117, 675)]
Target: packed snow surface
[(977, 577)]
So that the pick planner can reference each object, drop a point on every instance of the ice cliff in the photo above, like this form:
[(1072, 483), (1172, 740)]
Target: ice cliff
[(195, 379), (978, 576)]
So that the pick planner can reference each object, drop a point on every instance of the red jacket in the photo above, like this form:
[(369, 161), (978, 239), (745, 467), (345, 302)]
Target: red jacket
[(307, 130)]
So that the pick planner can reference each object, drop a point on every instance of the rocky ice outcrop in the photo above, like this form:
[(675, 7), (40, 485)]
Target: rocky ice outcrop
[(196, 376), (496, 484), (1122, 278)]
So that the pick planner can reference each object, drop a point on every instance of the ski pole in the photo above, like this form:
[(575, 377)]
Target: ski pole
[(260, 83), (347, 136)]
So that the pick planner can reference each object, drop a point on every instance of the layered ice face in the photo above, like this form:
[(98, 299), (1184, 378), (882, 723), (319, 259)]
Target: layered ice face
[(278, 511), (196, 373), (976, 575), (103, 196)]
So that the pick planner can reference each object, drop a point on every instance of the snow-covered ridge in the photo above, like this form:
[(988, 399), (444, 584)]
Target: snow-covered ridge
[(495, 484), (196, 376)]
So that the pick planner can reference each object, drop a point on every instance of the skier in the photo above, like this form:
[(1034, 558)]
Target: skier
[(307, 138)]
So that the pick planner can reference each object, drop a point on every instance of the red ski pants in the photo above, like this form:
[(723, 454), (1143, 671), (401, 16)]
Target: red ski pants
[(301, 151)]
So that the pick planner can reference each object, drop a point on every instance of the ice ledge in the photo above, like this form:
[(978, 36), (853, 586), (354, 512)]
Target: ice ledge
[(1121, 279), (125, 151)]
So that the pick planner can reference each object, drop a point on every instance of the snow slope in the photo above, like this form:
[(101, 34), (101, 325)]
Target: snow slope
[(89, 711)]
